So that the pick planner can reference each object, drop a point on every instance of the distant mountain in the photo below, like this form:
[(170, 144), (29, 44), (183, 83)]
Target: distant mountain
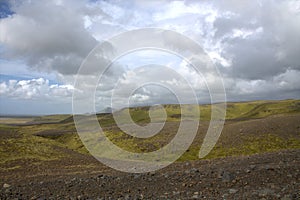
[(107, 110)]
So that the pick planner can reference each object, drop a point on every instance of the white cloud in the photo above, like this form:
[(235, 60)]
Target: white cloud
[(254, 44), (3, 88), (35, 89), (47, 35), (286, 85)]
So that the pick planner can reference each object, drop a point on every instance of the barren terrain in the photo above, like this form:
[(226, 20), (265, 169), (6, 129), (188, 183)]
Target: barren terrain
[(256, 157)]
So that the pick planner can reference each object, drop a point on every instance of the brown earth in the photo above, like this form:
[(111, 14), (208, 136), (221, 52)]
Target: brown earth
[(265, 176), (273, 175)]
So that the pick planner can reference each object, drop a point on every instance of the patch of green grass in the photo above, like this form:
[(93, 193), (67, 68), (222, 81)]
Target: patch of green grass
[(5, 127), (28, 147), (134, 144), (260, 109), (22, 143), (250, 145), (235, 110), (125, 142), (72, 141)]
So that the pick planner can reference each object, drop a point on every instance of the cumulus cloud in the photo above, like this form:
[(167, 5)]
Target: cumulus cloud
[(259, 37), (284, 85), (48, 35), (254, 44), (35, 89)]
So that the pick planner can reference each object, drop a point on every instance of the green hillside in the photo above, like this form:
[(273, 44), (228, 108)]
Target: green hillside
[(259, 109), (54, 137), (237, 111)]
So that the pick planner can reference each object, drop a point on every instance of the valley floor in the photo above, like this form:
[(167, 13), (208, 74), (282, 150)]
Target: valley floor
[(262, 176)]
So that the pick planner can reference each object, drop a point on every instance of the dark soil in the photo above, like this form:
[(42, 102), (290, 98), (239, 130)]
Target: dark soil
[(266, 176)]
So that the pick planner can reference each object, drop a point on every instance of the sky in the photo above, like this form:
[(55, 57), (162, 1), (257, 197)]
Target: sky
[(254, 45)]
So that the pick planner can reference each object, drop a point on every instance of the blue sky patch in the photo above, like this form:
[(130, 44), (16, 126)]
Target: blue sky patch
[(5, 10)]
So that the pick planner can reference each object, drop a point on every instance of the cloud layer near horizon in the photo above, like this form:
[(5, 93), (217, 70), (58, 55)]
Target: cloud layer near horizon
[(255, 46)]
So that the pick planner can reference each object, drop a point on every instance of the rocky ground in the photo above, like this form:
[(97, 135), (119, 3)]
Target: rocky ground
[(264, 176), (45, 159)]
